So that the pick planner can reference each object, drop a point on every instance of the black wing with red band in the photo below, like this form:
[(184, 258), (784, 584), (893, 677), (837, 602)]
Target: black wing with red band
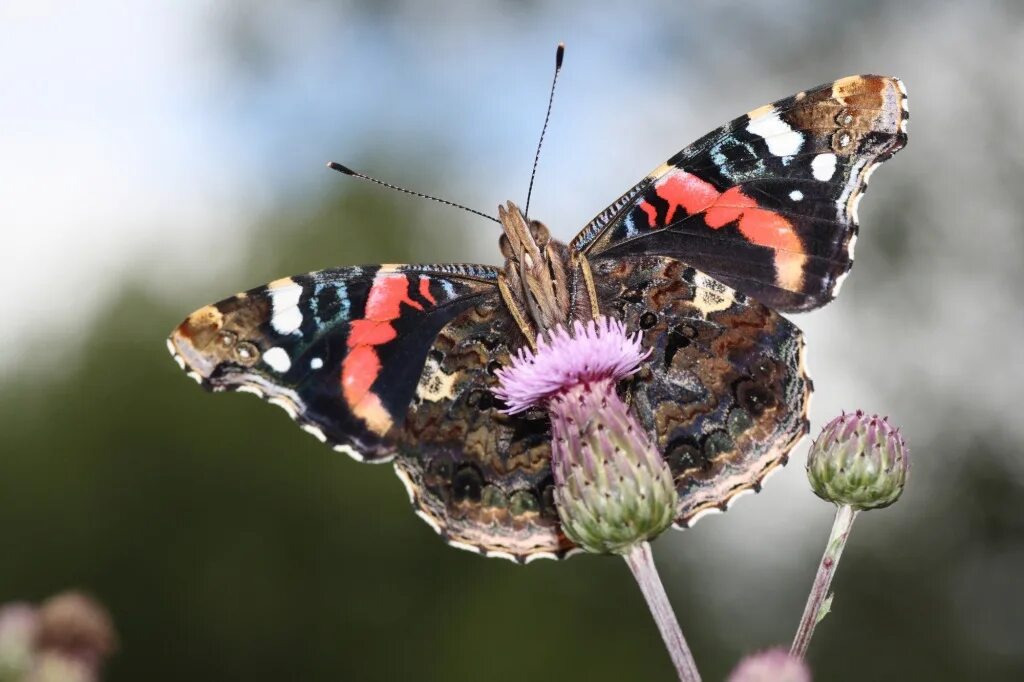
[(767, 203), (341, 350), (388, 360)]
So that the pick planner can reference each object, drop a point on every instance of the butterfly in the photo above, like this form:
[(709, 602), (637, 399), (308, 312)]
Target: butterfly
[(397, 363)]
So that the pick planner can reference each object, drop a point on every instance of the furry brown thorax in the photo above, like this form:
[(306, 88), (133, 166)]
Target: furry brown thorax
[(538, 282)]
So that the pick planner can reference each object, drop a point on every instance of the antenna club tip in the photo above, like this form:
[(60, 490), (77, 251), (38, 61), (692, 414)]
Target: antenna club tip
[(334, 165), (559, 55)]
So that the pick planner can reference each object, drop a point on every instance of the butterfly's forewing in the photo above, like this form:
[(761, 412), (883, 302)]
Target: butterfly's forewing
[(340, 350), (396, 362), (724, 391), (768, 202)]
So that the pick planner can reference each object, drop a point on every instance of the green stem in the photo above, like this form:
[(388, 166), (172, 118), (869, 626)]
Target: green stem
[(641, 563), (841, 527)]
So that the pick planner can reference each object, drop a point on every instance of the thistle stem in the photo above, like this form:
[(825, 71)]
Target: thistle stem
[(841, 527), (641, 563)]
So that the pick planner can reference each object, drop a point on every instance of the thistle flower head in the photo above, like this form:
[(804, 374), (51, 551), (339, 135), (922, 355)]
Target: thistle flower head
[(77, 628), (613, 490), (599, 349), (773, 665), (860, 461)]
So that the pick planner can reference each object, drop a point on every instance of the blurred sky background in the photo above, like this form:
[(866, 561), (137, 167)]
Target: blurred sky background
[(158, 156)]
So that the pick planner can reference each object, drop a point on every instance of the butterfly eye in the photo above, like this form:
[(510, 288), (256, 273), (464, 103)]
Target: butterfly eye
[(540, 233), (648, 320)]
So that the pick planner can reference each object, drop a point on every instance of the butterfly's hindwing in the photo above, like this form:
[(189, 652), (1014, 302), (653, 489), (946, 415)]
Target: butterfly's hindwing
[(479, 477), (724, 391), (340, 350), (767, 203)]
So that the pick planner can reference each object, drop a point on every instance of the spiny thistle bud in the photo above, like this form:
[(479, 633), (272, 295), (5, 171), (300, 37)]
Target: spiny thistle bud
[(859, 461), (612, 487), (613, 490), (64, 640), (773, 665)]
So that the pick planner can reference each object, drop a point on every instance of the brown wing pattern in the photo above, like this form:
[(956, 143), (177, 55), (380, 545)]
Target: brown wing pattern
[(724, 390), (480, 478)]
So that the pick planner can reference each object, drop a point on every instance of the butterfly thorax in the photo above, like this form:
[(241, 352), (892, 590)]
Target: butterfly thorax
[(535, 280)]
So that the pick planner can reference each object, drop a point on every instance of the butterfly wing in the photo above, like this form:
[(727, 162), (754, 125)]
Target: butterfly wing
[(340, 350), (481, 478), (767, 203), (724, 391), (396, 362)]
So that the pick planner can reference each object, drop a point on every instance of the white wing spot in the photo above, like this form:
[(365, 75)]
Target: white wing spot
[(314, 431), (278, 360), (284, 404), (824, 166), (348, 450), (285, 316), (796, 195), (540, 555), (710, 295), (434, 384), (780, 138), (316, 363)]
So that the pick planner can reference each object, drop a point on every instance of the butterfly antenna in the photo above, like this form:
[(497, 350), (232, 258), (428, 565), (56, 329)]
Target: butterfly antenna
[(559, 54), (334, 165)]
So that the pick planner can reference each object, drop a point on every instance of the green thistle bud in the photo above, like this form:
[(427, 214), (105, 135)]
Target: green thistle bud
[(613, 490), (859, 461), (612, 487)]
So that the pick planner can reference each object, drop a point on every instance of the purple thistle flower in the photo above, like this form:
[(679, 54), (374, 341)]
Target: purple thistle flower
[(613, 489), (773, 665), (599, 349)]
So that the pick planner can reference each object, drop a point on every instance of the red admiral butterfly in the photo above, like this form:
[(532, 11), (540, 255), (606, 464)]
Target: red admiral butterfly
[(397, 362)]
